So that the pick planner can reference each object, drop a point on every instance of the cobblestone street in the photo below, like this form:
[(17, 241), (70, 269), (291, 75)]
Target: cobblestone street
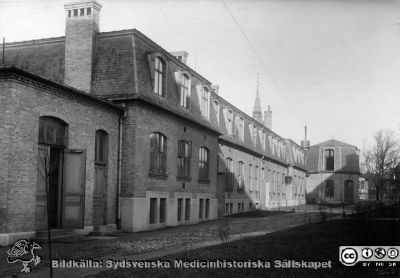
[(152, 244)]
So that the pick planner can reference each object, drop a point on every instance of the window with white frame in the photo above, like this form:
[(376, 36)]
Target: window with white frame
[(203, 164), (159, 76), (216, 110), (240, 177), (184, 156), (229, 175), (185, 91), (158, 153), (205, 103)]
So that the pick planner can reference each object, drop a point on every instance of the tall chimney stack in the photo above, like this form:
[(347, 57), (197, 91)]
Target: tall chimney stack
[(305, 144), (268, 118), (82, 27)]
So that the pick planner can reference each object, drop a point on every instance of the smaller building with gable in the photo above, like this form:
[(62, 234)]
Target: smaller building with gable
[(333, 173)]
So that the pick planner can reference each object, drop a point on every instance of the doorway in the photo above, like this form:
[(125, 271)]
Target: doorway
[(60, 178), (100, 178), (348, 191)]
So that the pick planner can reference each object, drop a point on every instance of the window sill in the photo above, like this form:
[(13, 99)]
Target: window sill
[(158, 176), (204, 181), (184, 179)]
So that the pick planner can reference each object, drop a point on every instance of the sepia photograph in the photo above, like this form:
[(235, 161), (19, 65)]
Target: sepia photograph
[(199, 138)]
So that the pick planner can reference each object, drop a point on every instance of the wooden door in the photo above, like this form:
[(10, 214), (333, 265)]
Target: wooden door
[(348, 191), (100, 177), (73, 197)]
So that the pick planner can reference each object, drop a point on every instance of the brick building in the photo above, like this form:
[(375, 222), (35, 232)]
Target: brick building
[(130, 135), (333, 172)]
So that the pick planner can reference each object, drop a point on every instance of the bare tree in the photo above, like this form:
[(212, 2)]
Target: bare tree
[(381, 159), (45, 171)]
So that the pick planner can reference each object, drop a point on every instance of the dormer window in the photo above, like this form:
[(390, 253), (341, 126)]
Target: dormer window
[(185, 91), (240, 127), (229, 124), (253, 133), (263, 140), (159, 76), (329, 160), (205, 102), (216, 109)]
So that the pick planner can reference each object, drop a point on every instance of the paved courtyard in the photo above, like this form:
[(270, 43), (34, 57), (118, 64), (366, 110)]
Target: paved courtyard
[(153, 244)]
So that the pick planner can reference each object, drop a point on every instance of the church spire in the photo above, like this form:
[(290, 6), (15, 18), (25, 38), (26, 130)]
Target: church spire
[(257, 113)]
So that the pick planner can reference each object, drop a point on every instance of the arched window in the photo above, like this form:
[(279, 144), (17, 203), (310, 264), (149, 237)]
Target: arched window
[(203, 164), (229, 175), (52, 131), (329, 160), (185, 91), (159, 76), (158, 153), (101, 147)]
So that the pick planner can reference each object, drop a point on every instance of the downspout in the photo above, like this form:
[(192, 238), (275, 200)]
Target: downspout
[(123, 116), (259, 179)]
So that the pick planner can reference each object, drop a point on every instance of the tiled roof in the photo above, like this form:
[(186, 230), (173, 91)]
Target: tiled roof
[(117, 54)]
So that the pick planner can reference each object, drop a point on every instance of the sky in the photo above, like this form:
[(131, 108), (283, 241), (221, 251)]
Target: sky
[(333, 65)]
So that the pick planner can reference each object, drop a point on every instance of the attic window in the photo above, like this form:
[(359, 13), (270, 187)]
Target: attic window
[(75, 12), (88, 11), (82, 12)]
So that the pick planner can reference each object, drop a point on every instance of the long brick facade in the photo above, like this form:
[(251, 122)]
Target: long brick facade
[(177, 153)]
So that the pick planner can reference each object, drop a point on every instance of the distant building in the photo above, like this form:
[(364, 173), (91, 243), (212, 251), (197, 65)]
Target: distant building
[(333, 172)]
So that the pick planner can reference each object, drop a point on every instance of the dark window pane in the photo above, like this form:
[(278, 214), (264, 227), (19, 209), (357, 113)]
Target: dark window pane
[(153, 210), (207, 208), (187, 209), (201, 208), (163, 208), (180, 207)]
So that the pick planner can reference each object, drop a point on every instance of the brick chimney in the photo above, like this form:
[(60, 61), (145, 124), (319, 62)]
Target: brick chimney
[(82, 26), (181, 55)]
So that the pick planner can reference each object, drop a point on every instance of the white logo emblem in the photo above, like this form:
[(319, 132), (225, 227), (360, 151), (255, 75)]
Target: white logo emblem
[(380, 253), (349, 256), (367, 253), (392, 253), (24, 251)]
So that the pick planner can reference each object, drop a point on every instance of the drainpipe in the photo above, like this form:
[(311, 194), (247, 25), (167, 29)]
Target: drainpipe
[(123, 116), (259, 179)]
